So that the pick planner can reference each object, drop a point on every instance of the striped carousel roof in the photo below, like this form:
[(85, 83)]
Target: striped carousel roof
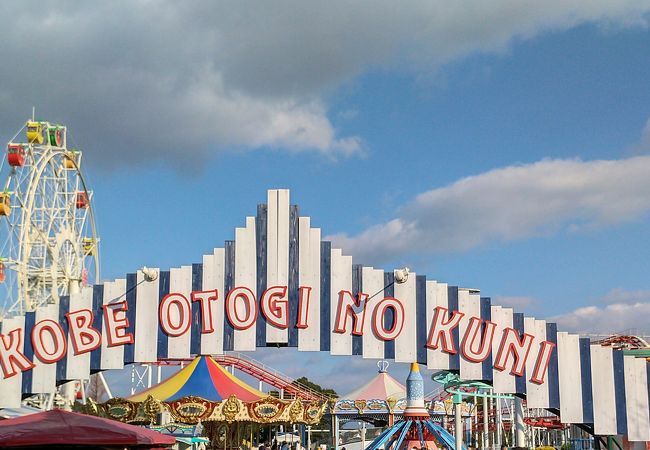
[(381, 387), (203, 377)]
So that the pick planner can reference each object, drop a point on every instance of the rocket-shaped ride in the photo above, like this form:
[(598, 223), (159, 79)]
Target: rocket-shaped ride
[(415, 394), (416, 430)]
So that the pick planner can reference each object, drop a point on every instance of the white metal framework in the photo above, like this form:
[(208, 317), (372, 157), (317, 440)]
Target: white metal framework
[(48, 243)]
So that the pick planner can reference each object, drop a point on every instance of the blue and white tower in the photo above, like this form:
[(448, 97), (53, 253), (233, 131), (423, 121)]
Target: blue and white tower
[(415, 393)]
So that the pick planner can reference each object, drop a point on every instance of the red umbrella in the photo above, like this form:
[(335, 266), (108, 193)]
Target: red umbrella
[(58, 427)]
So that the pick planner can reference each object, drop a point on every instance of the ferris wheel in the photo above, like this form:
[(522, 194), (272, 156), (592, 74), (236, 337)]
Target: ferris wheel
[(48, 242)]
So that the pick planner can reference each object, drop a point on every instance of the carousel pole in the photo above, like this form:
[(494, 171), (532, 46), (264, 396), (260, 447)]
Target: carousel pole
[(499, 424), (470, 424), (486, 413), (458, 423), (491, 418), (520, 437), (335, 434)]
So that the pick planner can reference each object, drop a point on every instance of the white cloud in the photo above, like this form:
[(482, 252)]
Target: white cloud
[(507, 204), (613, 318), (620, 295), (177, 81)]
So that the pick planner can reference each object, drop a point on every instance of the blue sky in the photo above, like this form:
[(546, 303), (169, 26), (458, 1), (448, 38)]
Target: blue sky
[(506, 146)]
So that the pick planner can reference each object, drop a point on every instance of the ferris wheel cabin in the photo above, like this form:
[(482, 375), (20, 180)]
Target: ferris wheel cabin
[(71, 160), (56, 135), (5, 204), (82, 200), (34, 132), (16, 155)]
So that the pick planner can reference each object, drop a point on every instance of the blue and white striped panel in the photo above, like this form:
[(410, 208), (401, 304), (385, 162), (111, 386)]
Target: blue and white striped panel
[(78, 366), (502, 380), (180, 282), (619, 391), (325, 286), (636, 394), (422, 327), (98, 322), (11, 388), (568, 352), (112, 357), (406, 342), (603, 389), (245, 275), (44, 374), (373, 282), (294, 275), (537, 395), (28, 351), (146, 328), (357, 289), (437, 295), (213, 274), (228, 285), (196, 326), (309, 276), (261, 220), (469, 304), (277, 259), (340, 280)]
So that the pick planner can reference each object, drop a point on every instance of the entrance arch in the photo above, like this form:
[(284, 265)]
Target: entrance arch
[(316, 299)]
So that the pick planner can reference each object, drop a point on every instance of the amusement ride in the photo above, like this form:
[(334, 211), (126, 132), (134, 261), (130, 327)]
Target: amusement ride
[(48, 240)]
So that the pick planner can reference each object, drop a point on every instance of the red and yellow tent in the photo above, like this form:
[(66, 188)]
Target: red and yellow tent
[(205, 378)]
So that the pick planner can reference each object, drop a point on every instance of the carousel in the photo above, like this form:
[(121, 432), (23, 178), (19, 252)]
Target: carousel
[(204, 398)]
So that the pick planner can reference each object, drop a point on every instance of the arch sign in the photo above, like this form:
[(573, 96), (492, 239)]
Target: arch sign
[(278, 284)]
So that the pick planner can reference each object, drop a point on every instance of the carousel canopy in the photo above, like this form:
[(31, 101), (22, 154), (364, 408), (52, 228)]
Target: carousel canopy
[(58, 428), (382, 387), (205, 378)]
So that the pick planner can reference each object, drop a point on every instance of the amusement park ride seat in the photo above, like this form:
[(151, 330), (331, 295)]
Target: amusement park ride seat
[(82, 200), (34, 132), (5, 204), (15, 155), (71, 158), (55, 134), (89, 246)]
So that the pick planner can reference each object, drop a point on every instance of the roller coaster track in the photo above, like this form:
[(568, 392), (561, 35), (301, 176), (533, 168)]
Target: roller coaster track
[(631, 345)]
